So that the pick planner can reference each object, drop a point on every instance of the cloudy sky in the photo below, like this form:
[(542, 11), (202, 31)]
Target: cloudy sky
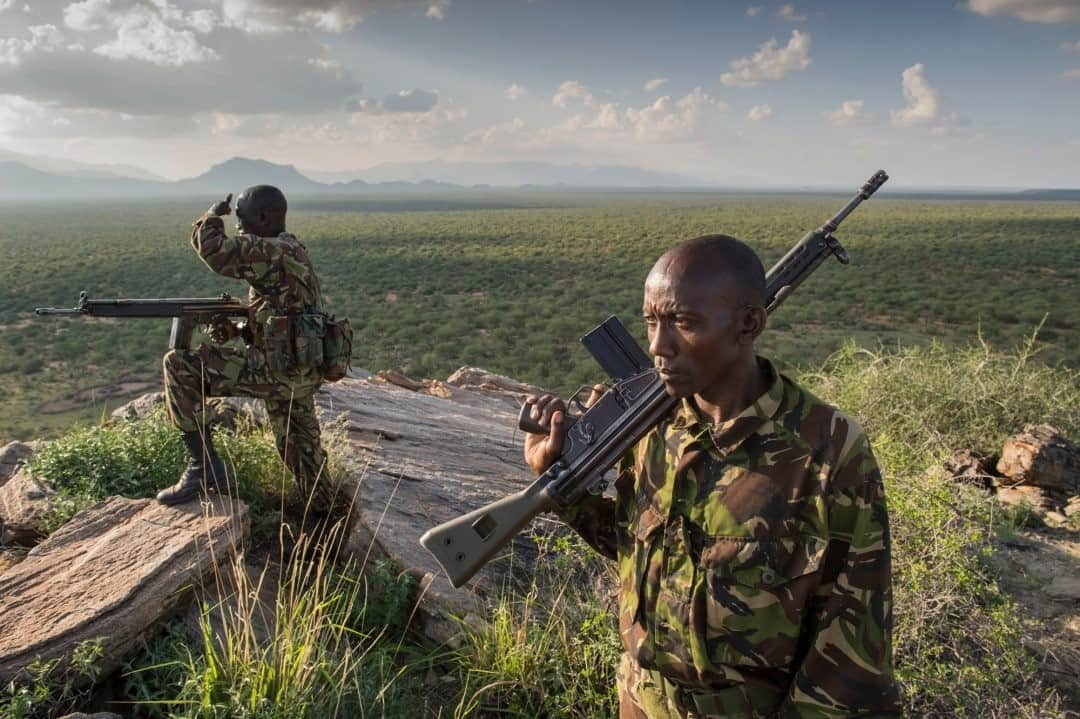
[(941, 93)]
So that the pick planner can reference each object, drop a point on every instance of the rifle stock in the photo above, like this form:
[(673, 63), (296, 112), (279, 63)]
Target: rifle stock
[(634, 404), (465, 544)]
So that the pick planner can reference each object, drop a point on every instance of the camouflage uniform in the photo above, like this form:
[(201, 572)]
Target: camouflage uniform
[(283, 282), (754, 565)]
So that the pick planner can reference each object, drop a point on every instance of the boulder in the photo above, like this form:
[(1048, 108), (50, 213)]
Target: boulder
[(139, 407), (419, 459), (1064, 587), (12, 456), (1042, 457), (1034, 497), (24, 508), (110, 574), (224, 410), (971, 466)]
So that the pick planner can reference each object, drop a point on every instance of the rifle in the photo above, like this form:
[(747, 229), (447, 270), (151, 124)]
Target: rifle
[(635, 403), (187, 312)]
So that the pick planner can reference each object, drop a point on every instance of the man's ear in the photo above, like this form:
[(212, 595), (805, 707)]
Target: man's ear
[(752, 319)]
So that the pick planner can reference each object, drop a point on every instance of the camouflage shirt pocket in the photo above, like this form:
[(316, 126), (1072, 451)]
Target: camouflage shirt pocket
[(757, 593), (634, 567)]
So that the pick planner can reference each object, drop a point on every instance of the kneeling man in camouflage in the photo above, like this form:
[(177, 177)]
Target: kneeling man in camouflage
[(279, 363)]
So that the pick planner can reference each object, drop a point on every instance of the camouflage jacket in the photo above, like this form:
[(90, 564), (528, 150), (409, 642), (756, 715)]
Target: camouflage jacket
[(755, 552), (281, 275)]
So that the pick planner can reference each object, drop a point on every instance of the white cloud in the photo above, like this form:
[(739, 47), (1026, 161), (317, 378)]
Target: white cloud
[(787, 12), (142, 35), (5, 4), (850, 112), (42, 37), (1073, 74), (1044, 11), (437, 10), (261, 16), (607, 127), (23, 118), (655, 84), (515, 92), (405, 101), (164, 81), (770, 62), (156, 32), (572, 91), (753, 11), (1071, 46), (921, 99), (496, 134), (759, 112), (665, 120)]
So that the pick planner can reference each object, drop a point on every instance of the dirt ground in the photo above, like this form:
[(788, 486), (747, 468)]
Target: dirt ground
[(1041, 569)]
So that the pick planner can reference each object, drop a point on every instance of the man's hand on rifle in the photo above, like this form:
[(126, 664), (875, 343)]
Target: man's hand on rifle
[(550, 411), (220, 209), (221, 330)]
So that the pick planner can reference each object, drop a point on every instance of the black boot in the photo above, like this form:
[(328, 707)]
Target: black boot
[(204, 469)]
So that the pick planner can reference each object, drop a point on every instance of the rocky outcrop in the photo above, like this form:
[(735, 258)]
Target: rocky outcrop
[(1038, 468), (12, 456), (24, 508), (224, 410), (422, 453), (110, 574), (1041, 456)]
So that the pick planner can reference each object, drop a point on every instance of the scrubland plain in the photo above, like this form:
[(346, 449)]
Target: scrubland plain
[(510, 281)]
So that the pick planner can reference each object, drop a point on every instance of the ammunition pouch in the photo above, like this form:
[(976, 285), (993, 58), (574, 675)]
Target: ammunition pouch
[(336, 348), (309, 333), (309, 340), (278, 343)]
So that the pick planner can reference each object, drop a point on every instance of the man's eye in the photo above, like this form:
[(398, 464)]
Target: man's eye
[(684, 323), (650, 321)]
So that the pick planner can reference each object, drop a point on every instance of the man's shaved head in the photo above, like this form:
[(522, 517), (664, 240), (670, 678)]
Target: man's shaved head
[(716, 260)]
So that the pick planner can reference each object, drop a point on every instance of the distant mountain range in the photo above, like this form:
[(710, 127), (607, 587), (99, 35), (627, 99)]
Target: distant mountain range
[(23, 177), (512, 174)]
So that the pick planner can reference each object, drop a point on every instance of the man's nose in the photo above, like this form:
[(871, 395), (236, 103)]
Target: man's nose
[(661, 342)]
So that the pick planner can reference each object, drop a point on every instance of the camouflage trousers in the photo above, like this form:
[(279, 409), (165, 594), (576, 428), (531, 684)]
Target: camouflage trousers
[(646, 694), (191, 376)]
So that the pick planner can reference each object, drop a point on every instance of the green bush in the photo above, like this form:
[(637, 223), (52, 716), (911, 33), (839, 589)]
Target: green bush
[(137, 458)]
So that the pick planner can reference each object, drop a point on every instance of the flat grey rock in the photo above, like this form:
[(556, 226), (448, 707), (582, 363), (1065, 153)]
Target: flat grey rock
[(110, 574)]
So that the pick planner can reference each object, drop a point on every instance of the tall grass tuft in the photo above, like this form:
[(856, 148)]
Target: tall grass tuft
[(550, 651)]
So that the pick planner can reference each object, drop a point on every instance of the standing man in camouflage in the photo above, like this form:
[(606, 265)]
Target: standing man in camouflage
[(284, 290), (749, 527)]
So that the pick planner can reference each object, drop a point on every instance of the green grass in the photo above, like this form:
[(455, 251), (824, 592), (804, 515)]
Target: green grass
[(510, 284), (137, 458), (339, 644)]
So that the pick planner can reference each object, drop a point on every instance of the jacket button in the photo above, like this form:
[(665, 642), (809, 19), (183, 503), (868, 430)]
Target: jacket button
[(768, 575)]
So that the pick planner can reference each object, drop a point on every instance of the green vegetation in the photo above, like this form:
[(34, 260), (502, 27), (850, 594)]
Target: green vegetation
[(511, 283), (136, 458), (927, 339), (960, 641), (337, 642), (53, 687)]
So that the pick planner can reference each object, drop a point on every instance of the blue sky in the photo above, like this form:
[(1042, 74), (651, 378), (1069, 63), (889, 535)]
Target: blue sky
[(971, 93)]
